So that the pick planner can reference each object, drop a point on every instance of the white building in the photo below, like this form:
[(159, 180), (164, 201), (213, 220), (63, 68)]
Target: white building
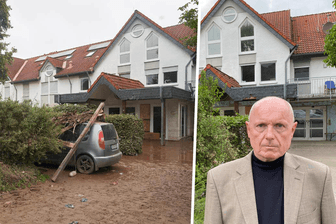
[(267, 54), (143, 70)]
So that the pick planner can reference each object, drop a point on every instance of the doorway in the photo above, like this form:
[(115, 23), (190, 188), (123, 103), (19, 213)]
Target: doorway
[(157, 119)]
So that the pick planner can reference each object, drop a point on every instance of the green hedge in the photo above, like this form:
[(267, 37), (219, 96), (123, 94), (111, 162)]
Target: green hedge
[(130, 130), (26, 132)]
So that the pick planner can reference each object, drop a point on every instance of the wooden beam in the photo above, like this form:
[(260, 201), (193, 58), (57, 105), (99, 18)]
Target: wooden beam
[(236, 106), (123, 109), (75, 146)]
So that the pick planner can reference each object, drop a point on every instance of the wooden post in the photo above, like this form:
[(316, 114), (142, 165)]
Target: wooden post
[(75, 145), (236, 106)]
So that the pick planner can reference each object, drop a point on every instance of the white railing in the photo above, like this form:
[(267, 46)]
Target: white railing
[(315, 86)]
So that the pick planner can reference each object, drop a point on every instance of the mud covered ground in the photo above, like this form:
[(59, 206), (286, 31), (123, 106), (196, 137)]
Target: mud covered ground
[(154, 187)]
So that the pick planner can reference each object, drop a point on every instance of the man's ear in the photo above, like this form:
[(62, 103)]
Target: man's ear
[(294, 127), (248, 128)]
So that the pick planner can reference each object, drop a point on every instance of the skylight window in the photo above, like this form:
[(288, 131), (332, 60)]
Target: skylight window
[(68, 57), (90, 53), (98, 46)]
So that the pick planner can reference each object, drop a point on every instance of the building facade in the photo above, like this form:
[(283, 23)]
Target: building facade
[(144, 70), (272, 54)]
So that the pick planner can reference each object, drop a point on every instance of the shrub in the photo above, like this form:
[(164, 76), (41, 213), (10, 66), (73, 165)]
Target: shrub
[(26, 132), (130, 130), (220, 139)]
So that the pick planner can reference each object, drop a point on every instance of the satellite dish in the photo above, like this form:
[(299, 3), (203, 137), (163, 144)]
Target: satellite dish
[(327, 27)]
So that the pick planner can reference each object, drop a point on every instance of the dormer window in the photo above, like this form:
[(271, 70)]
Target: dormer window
[(214, 41), (137, 30), (125, 54), (90, 53), (152, 44), (247, 37)]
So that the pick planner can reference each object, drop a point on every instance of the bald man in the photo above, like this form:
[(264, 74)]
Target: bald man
[(269, 185)]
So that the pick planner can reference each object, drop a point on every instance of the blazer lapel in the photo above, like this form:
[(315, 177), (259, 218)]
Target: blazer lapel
[(245, 191), (293, 182)]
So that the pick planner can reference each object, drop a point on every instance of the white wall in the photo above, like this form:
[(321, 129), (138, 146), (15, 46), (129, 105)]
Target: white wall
[(268, 47)]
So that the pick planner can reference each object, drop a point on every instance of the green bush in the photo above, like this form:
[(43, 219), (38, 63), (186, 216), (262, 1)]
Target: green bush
[(220, 139), (130, 130), (26, 132)]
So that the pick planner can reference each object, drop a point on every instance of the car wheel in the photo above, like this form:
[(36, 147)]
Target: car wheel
[(85, 164)]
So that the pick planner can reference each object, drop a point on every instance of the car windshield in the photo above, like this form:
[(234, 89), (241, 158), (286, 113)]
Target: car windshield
[(109, 132)]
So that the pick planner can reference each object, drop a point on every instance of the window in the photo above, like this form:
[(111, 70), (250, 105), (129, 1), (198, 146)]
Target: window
[(247, 73), (7, 92), (114, 110), (49, 70), (84, 84), (125, 55), (90, 53), (301, 74), (170, 74), (170, 77), (247, 37), (229, 113), (125, 75), (152, 47), (214, 41), (268, 72), (25, 95), (152, 77), (130, 110), (137, 30), (48, 90), (229, 15)]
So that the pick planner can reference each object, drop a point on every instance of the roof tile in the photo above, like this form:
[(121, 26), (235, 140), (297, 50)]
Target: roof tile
[(231, 82)]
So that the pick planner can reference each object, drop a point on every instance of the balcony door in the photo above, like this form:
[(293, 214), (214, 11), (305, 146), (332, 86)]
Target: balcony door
[(311, 123)]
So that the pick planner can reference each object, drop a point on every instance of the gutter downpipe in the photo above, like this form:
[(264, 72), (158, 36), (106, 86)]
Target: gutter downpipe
[(89, 79), (285, 85), (15, 92), (186, 71), (70, 84)]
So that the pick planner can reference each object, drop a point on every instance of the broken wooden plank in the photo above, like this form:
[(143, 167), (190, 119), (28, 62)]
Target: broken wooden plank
[(74, 148)]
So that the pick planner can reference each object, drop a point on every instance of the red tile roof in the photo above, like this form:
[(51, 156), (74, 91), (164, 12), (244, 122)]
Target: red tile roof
[(308, 33), (119, 82), (281, 20), (231, 82), (14, 67)]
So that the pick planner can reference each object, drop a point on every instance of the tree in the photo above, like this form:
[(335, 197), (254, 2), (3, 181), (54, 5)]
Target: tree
[(330, 45), (5, 54), (189, 18)]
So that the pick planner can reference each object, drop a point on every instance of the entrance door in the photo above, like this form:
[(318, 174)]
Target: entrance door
[(311, 123), (157, 119)]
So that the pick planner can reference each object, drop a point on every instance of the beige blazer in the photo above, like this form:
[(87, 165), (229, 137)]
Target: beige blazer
[(308, 193)]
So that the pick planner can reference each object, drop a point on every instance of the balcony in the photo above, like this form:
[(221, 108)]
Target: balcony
[(319, 87)]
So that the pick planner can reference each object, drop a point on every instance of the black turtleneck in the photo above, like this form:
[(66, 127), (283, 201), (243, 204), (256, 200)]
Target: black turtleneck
[(269, 190)]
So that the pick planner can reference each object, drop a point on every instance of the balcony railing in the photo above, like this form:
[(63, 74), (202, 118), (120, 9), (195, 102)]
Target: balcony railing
[(315, 87)]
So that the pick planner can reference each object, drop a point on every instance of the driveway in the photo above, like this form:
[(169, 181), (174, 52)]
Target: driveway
[(154, 187), (321, 151)]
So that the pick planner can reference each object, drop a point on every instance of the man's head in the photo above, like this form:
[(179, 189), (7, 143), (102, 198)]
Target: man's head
[(270, 128)]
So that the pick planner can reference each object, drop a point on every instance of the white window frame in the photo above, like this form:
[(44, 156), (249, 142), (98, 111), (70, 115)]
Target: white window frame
[(226, 9), (49, 93), (170, 69), (25, 91), (7, 95), (152, 72), (272, 81), (125, 52), (214, 42), (247, 38), (81, 84), (295, 81), (241, 75), (152, 48)]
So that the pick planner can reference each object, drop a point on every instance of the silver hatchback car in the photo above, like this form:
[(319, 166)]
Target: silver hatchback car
[(99, 148)]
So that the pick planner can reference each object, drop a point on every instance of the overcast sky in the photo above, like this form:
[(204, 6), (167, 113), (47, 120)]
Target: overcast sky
[(297, 7), (41, 27)]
